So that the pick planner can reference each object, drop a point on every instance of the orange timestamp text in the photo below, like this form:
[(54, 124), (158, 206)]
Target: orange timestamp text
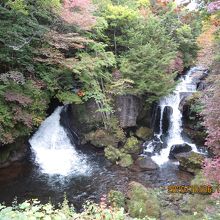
[(197, 189)]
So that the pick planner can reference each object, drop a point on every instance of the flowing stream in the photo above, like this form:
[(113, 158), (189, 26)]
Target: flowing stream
[(185, 88)]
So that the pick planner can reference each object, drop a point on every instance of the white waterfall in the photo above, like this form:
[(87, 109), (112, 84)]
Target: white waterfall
[(53, 150), (185, 88)]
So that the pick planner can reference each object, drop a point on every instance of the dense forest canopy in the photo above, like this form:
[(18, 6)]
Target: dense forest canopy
[(70, 50)]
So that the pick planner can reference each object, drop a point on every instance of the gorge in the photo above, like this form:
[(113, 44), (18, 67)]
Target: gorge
[(109, 110), (57, 166)]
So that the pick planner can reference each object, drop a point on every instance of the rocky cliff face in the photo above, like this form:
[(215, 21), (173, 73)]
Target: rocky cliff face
[(13, 152), (85, 117), (127, 110)]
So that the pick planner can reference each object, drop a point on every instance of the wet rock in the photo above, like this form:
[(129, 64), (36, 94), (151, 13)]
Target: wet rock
[(166, 118), (146, 164), (199, 74), (142, 201), (144, 133), (202, 85), (154, 146), (179, 148), (191, 161), (101, 138), (156, 119)]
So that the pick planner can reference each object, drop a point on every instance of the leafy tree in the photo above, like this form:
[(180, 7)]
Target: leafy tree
[(184, 27), (92, 71), (146, 64), (119, 19)]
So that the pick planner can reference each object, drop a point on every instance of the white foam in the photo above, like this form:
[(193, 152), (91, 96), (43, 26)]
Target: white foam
[(53, 150), (186, 86)]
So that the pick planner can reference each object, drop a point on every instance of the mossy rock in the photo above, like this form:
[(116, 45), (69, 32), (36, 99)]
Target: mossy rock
[(191, 161), (125, 160), (144, 133), (132, 146), (113, 154), (116, 198), (101, 138), (116, 156), (142, 201)]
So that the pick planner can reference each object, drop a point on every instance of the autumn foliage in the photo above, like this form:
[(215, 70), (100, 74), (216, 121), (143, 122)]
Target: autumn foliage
[(78, 12)]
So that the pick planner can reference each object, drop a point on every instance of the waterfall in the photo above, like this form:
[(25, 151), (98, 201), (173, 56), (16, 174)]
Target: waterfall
[(53, 150), (185, 87)]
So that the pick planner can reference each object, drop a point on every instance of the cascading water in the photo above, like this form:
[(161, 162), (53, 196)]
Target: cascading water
[(53, 150), (185, 88)]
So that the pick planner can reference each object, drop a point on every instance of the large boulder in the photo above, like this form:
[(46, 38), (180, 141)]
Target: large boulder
[(179, 148), (101, 138), (142, 201), (82, 118), (191, 161), (146, 164), (13, 152), (127, 110), (144, 133)]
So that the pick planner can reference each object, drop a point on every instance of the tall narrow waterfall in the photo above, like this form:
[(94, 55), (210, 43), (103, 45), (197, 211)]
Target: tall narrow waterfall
[(185, 88), (53, 150)]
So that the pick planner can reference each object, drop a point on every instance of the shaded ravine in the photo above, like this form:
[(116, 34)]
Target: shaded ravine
[(88, 176), (170, 130)]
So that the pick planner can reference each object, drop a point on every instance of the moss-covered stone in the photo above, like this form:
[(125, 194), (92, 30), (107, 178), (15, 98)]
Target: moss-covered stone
[(125, 160), (144, 133), (116, 156), (191, 162), (116, 198), (101, 138), (142, 201), (132, 146), (113, 154)]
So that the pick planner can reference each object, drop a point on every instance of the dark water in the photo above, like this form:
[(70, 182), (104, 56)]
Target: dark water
[(24, 181)]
